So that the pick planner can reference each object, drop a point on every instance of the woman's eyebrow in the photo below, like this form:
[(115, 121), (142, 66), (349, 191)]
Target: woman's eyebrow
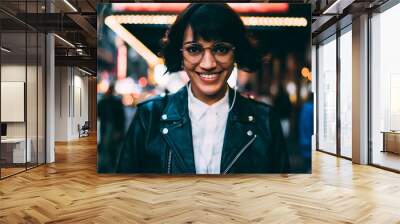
[(190, 42)]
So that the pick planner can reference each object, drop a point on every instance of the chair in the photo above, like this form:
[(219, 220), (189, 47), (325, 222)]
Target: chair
[(84, 130)]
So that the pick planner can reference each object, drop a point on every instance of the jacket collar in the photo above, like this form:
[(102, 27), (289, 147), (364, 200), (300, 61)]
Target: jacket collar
[(177, 107), (175, 118)]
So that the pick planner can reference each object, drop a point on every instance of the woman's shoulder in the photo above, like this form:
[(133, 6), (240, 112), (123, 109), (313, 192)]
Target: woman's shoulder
[(257, 106), (159, 102), (152, 102)]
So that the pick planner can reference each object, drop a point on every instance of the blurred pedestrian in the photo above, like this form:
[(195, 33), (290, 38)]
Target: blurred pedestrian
[(306, 130), (112, 125)]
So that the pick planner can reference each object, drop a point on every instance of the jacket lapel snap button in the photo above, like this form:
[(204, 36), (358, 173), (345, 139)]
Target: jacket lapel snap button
[(249, 133), (251, 118), (165, 131), (164, 117)]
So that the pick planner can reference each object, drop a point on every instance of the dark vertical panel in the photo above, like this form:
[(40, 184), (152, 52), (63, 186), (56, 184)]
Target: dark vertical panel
[(369, 101), (338, 72), (45, 96), (317, 97)]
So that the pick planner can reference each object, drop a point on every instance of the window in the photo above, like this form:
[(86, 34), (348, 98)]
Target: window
[(327, 96), (385, 88), (346, 93)]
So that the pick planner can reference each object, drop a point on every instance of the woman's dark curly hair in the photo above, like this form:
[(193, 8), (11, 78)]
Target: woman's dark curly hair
[(211, 22)]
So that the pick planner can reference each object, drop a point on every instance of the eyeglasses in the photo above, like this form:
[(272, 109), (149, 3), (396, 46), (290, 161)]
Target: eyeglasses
[(194, 52)]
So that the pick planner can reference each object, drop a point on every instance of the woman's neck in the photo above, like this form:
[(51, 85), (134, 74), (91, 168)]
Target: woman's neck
[(209, 99)]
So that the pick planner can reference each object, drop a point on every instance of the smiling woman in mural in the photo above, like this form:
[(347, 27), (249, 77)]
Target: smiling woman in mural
[(206, 127)]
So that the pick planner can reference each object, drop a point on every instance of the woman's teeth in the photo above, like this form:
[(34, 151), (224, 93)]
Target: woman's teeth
[(209, 76)]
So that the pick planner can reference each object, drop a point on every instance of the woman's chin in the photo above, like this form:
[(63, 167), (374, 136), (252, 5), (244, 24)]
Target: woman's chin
[(213, 91)]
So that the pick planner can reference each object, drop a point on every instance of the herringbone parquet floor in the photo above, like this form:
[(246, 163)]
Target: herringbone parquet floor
[(70, 191)]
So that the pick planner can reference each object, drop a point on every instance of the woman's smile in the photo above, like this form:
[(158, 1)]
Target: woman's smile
[(209, 77)]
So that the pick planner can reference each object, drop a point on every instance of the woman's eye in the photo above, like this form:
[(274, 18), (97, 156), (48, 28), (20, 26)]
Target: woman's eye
[(221, 49), (194, 49)]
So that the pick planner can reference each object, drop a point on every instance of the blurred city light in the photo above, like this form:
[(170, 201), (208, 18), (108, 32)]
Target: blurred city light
[(179, 7), (142, 82), (159, 75), (126, 86), (122, 64), (138, 46), (102, 86), (247, 20), (127, 99)]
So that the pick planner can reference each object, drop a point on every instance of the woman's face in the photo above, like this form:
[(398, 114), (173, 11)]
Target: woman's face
[(208, 65)]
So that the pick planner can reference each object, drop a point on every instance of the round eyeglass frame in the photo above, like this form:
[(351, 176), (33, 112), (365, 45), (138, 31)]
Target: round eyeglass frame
[(194, 59)]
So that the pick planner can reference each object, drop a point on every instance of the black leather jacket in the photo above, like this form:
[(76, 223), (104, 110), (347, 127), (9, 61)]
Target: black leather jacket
[(159, 139)]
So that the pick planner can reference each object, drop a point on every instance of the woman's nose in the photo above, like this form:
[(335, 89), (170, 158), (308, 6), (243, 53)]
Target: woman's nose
[(208, 61)]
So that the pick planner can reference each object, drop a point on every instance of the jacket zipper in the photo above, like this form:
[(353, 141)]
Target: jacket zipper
[(169, 161), (239, 154)]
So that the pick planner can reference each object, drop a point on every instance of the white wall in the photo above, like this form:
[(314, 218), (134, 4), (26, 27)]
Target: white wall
[(61, 103), (71, 102)]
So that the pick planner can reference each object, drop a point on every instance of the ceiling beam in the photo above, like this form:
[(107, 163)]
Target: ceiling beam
[(82, 61), (88, 29)]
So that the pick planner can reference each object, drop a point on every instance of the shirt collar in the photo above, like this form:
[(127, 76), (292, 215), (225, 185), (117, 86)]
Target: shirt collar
[(197, 108)]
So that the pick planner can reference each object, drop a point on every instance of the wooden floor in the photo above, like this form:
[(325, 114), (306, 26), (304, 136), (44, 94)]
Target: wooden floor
[(387, 159), (70, 191), (10, 171)]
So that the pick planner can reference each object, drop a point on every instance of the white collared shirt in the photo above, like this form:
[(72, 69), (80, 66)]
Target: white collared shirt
[(208, 130)]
